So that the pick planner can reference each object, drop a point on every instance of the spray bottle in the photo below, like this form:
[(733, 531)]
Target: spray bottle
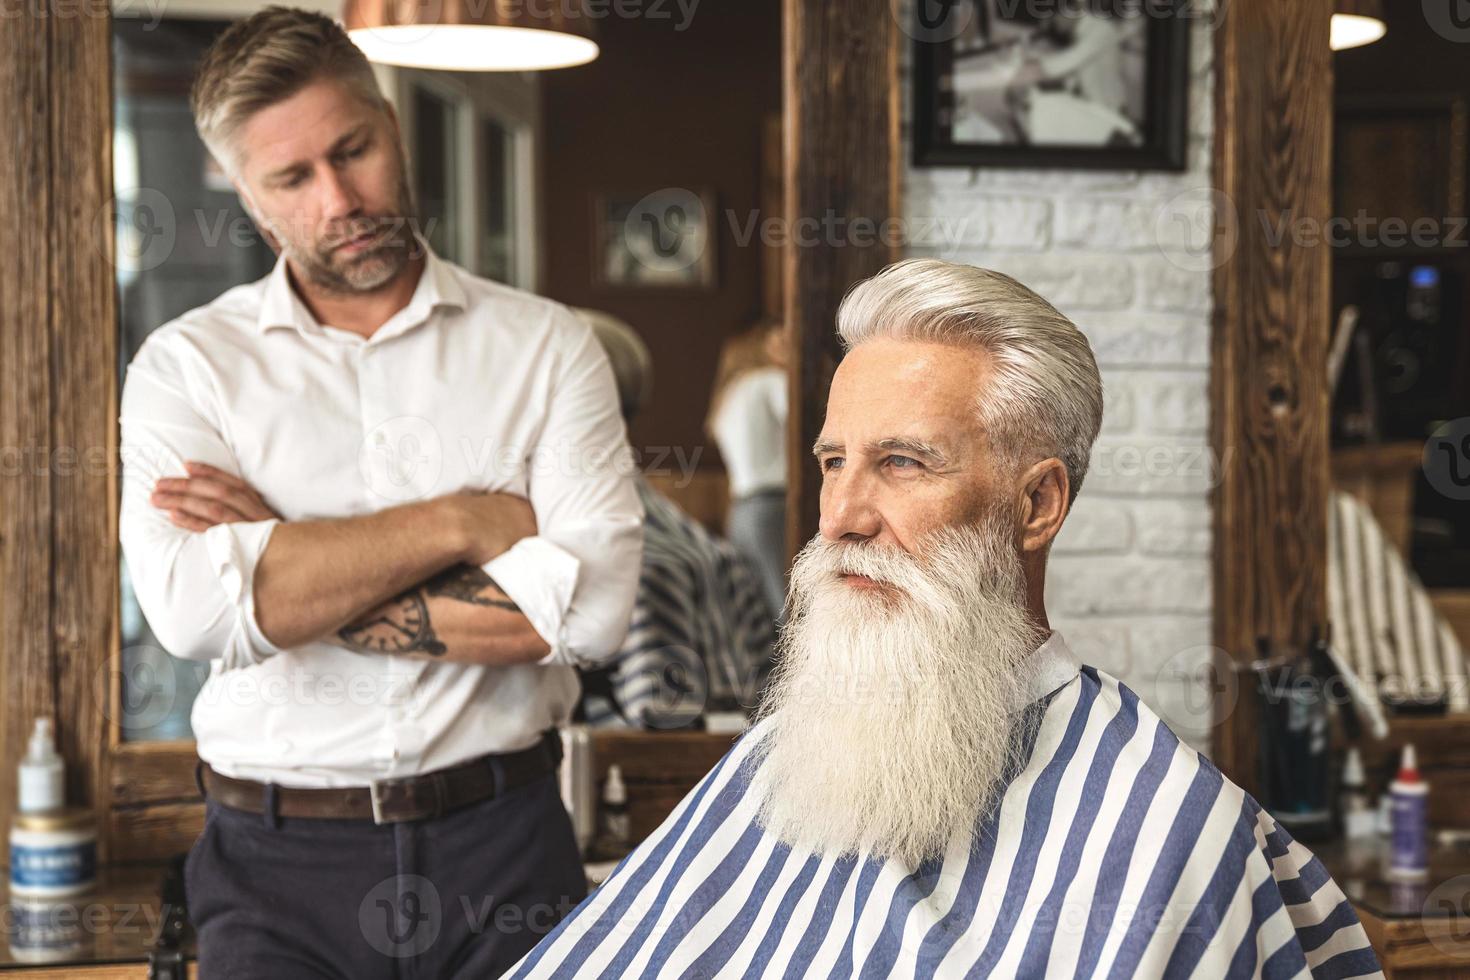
[(1409, 809)]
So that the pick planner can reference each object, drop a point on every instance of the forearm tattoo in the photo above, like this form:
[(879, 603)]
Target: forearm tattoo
[(402, 625), (470, 583)]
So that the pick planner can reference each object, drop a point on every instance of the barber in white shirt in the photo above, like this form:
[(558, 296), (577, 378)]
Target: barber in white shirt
[(390, 502)]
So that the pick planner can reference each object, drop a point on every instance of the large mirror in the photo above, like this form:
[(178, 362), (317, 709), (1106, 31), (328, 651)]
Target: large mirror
[(604, 187), (1399, 376)]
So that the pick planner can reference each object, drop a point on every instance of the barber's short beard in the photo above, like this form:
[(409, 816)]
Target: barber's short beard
[(371, 269), (893, 721)]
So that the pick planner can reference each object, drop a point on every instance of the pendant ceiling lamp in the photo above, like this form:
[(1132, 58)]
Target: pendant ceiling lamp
[(472, 35), (1356, 23)]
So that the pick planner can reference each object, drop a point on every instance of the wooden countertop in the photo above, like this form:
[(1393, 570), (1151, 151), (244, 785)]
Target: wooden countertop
[(111, 929), (1418, 929)]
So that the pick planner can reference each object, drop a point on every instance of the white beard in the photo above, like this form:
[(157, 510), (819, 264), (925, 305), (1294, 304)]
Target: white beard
[(891, 713)]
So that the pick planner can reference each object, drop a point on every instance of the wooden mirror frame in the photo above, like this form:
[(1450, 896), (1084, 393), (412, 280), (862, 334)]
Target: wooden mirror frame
[(1268, 360), (59, 599)]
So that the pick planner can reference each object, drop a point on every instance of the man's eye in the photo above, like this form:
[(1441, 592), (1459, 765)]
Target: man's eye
[(905, 462), (831, 462), (295, 181), (358, 150)]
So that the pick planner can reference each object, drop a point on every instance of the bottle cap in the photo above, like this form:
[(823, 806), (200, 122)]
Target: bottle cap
[(1408, 766), (615, 791), (42, 773), (43, 743)]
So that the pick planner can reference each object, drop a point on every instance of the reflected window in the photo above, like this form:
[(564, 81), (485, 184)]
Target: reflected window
[(435, 154), (182, 239), (497, 228), (471, 144)]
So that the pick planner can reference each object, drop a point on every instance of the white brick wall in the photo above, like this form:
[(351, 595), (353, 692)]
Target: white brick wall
[(1118, 252)]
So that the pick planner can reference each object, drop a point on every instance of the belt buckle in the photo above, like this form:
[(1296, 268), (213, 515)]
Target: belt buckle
[(376, 792)]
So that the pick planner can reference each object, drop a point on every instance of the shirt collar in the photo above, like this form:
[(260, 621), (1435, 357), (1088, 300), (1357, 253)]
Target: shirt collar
[(437, 286), (1050, 667)]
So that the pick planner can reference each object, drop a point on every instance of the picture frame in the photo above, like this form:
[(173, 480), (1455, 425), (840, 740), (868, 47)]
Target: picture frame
[(662, 239), (1080, 84)]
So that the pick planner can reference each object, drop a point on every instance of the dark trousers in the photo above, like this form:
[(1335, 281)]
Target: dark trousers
[(466, 894)]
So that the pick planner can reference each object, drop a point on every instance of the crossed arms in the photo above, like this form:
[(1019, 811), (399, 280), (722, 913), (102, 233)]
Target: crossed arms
[(405, 580)]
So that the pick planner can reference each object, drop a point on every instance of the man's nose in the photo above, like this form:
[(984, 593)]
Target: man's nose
[(340, 198), (849, 509)]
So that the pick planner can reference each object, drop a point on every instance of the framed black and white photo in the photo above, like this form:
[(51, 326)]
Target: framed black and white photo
[(1062, 83), (662, 239)]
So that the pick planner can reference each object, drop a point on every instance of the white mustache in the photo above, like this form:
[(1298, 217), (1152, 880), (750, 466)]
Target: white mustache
[(881, 563)]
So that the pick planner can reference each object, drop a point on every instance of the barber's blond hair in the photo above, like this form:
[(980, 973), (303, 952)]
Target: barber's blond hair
[(1044, 396), (266, 58)]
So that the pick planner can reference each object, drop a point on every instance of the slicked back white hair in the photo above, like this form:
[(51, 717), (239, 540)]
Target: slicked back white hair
[(1044, 397)]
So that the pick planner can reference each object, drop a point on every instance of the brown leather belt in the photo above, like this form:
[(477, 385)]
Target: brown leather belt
[(419, 797)]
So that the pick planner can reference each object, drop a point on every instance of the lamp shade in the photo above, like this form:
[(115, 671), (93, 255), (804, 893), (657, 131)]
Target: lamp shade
[(1356, 23), (472, 35)]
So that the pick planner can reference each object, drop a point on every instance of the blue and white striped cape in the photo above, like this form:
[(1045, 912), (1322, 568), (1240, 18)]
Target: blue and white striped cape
[(1117, 851)]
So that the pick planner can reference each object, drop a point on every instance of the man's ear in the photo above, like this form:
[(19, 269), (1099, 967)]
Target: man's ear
[(1046, 500)]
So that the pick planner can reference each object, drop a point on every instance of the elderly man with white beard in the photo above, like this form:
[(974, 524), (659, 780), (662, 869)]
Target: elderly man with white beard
[(935, 787)]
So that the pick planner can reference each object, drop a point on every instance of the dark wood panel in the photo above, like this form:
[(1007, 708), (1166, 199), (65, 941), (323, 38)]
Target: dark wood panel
[(154, 833), (1442, 746), (659, 769), (1272, 163), (83, 326), (25, 310), (1400, 155), (841, 144), (57, 517), (153, 772)]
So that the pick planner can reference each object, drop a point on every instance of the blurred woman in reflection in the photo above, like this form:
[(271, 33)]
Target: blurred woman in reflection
[(747, 420)]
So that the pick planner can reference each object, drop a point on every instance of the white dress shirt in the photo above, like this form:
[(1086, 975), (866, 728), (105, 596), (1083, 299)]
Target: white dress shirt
[(473, 385), (750, 428)]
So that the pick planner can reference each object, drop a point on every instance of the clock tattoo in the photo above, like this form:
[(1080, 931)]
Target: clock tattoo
[(403, 625), (400, 625)]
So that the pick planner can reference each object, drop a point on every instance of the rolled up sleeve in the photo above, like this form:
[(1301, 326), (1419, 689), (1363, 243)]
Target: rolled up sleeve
[(196, 589), (576, 579), (234, 551)]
